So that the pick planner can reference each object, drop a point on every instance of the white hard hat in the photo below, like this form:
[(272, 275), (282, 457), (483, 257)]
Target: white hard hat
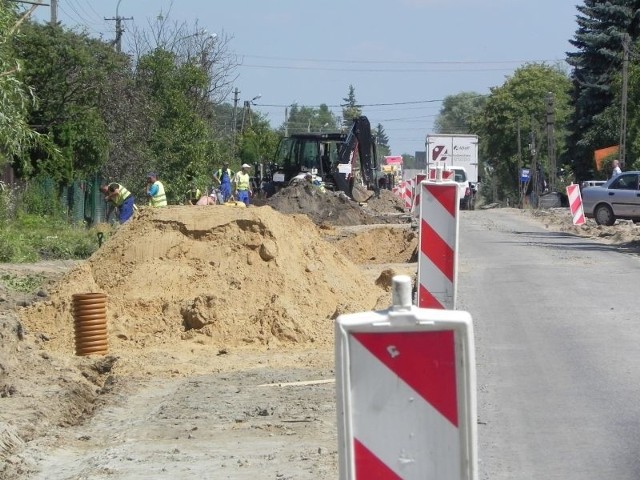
[(246, 165)]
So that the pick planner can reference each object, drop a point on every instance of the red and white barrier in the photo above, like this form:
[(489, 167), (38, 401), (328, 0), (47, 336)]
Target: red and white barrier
[(406, 393), (438, 258), (575, 204), (415, 207), (408, 194)]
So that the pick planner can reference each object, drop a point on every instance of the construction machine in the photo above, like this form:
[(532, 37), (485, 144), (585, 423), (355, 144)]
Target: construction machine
[(344, 162)]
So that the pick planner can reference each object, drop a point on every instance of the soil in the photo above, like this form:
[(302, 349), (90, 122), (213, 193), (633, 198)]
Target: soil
[(212, 295)]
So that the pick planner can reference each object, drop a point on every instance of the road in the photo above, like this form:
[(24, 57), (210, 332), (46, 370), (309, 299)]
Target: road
[(557, 340)]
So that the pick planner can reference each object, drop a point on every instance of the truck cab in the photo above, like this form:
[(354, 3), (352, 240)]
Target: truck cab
[(466, 190)]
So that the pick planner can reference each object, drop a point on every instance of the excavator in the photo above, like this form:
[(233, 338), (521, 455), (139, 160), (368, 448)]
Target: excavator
[(344, 162)]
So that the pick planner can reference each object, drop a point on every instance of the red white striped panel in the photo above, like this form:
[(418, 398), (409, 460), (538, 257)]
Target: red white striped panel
[(437, 262), (575, 204), (405, 407)]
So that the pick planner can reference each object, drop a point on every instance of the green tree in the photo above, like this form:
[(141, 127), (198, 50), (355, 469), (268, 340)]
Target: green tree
[(16, 98), (350, 107), (458, 112), (382, 141), (310, 119), (520, 101), (602, 27), (70, 73), (181, 143)]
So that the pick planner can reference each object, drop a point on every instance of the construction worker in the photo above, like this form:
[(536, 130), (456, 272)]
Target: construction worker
[(193, 194), (242, 185), (223, 177), (120, 199), (155, 191)]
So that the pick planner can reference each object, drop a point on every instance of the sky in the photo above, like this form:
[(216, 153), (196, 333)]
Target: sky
[(402, 56)]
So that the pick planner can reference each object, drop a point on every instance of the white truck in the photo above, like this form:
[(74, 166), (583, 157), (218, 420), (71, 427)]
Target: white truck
[(459, 153)]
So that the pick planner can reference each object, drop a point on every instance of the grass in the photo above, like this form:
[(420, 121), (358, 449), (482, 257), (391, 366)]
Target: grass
[(25, 284), (32, 238)]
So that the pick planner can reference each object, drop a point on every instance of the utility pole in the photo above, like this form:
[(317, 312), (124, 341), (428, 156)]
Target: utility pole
[(54, 12), (236, 94), (551, 141), (520, 166), (286, 122), (119, 28), (533, 174), (623, 107)]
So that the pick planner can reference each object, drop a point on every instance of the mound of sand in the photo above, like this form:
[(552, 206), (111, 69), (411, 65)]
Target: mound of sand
[(224, 275), (385, 244)]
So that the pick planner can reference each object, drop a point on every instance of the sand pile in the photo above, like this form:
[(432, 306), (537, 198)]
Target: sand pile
[(335, 208), (226, 275), (384, 244)]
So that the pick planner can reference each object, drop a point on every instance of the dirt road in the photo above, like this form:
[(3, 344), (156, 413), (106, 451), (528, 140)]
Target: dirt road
[(258, 423)]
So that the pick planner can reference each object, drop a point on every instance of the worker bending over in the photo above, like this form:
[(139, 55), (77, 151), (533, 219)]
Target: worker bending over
[(120, 199)]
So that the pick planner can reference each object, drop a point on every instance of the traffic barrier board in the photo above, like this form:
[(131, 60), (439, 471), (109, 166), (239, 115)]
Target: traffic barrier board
[(438, 242), (406, 393), (575, 204)]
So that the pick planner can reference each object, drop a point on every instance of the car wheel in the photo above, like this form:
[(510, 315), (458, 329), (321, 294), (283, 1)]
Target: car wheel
[(604, 215)]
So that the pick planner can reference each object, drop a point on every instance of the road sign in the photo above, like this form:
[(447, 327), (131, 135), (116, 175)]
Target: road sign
[(406, 393)]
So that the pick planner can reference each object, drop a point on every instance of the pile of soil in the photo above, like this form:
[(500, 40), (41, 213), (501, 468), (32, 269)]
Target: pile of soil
[(224, 276), (379, 245), (336, 208)]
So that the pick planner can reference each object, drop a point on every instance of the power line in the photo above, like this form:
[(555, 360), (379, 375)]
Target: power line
[(360, 105), (377, 70), (402, 62)]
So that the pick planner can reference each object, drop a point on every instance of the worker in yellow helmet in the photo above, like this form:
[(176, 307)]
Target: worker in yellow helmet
[(242, 185), (155, 191)]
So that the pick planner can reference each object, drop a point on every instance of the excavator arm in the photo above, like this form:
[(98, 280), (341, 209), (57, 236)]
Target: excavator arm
[(362, 176)]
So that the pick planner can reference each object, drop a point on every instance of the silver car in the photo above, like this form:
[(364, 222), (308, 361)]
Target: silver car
[(619, 197)]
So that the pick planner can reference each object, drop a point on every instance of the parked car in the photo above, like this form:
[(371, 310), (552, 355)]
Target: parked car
[(619, 197), (592, 183)]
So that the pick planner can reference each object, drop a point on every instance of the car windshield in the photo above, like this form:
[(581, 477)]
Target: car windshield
[(460, 176)]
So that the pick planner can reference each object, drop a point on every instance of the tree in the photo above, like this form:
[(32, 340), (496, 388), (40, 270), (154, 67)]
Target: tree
[(70, 73), (520, 102), (458, 112), (16, 98), (382, 141), (310, 119), (602, 27), (350, 108)]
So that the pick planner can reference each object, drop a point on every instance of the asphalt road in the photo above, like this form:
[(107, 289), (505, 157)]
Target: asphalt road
[(558, 343)]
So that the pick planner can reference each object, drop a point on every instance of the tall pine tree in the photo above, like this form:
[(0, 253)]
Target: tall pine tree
[(382, 140), (350, 108), (602, 27)]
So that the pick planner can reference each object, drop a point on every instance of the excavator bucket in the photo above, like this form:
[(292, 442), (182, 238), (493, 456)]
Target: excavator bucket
[(360, 194)]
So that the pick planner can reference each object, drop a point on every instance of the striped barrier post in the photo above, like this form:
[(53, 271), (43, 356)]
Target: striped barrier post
[(406, 392), (415, 207), (575, 204), (408, 194), (438, 240)]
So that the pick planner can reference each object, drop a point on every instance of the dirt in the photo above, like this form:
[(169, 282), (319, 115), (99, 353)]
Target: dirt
[(335, 208), (221, 297)]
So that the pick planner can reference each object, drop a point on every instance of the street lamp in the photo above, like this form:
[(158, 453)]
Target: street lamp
[(322, 127), (247, 108)]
